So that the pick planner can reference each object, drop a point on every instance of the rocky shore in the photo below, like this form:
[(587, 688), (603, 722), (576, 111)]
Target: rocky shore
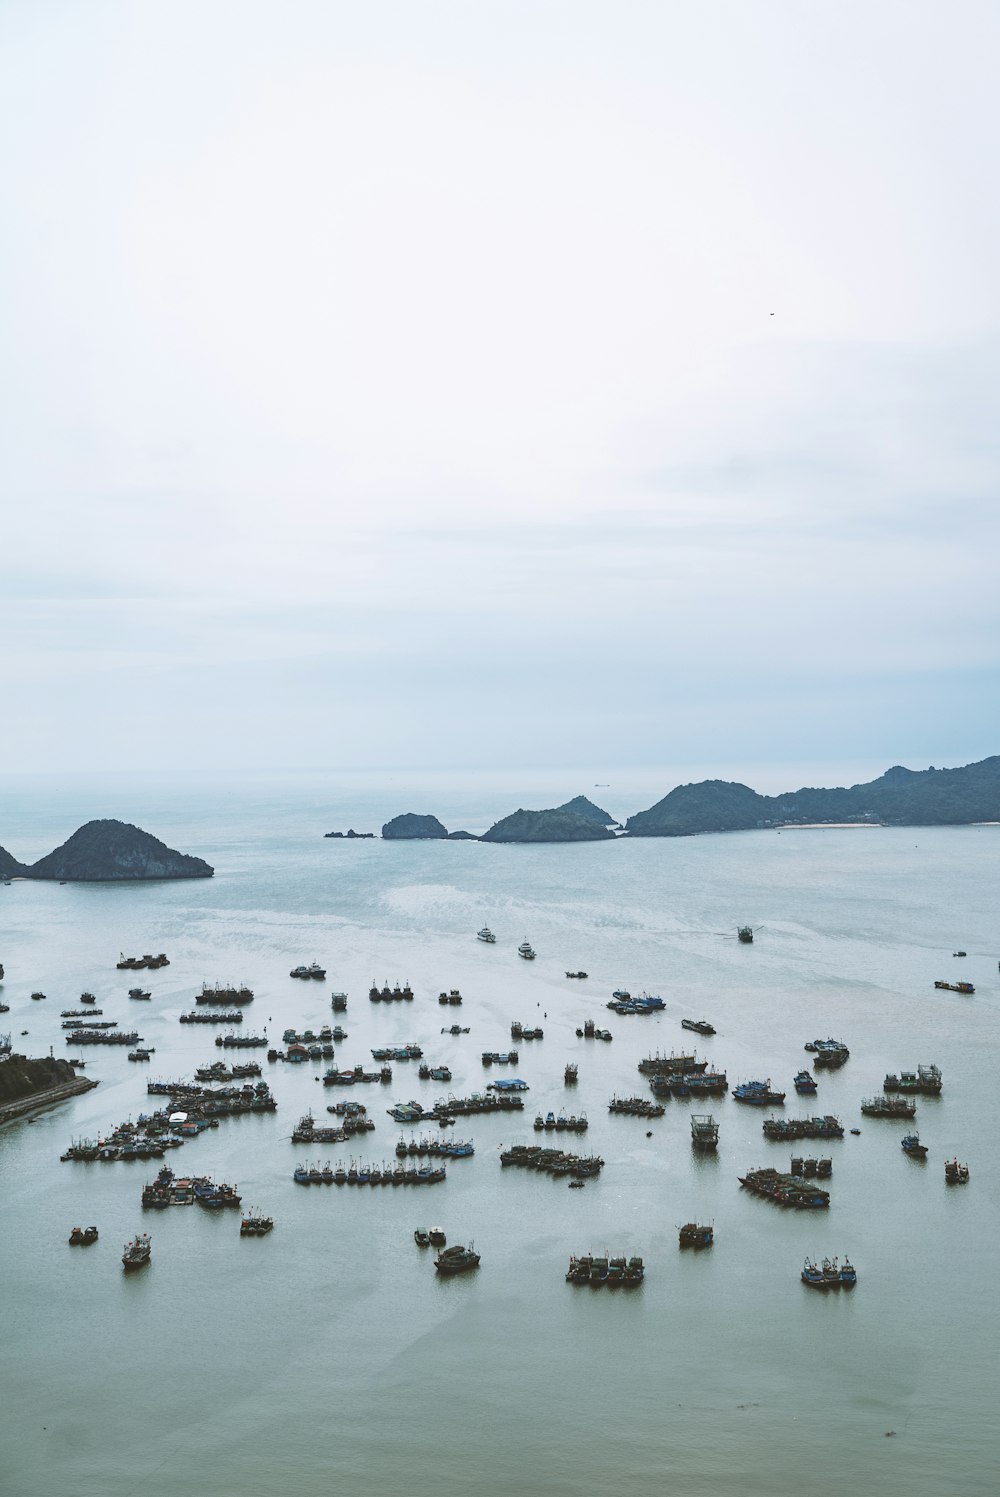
[(29, 1085)]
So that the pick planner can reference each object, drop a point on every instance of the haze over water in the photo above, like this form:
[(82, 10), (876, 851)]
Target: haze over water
[(329, 1356)]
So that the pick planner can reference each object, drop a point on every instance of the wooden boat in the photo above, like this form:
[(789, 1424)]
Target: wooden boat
[(457, 1259), (694, 1236)]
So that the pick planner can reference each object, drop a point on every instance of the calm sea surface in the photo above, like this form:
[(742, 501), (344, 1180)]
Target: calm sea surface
[(329, 1356)]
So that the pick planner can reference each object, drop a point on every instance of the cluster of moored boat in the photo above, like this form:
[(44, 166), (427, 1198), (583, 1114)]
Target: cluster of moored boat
[(307, 1131), (782, 1129), (441, 1148), (369, 1174), (212, 1016), (386, 994), (925, 1081), (95, 1036), (170, 1190), (622, 1002), (786, 1190), (599, 1271), (888, 1107), (829, 1274), (591, 1032), (137, 963), (668, 1075), (454, 1107), (560, 1123), (637, 1107), (551, 1161), (218, 994)]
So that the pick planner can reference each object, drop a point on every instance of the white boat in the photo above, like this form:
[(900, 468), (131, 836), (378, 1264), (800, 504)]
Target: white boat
[(526, 951), (486, 935)]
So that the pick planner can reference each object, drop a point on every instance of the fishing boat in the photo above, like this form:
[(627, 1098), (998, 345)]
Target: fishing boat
[(137, 1252), (805, 1083), (757, 1093), (526, 951), (422, 1238), (256, 1226), (745, 934), (486, 935), (812, 1275), (570, 1075), (704, 1132), (911, 1145), (848, 1274), (956, 987), (831, 1273), (437, 1236), (457, 1259), (888, 1107), (577, 974), (694, 1236), (138, 993), (700, 1026), (955, 1173)]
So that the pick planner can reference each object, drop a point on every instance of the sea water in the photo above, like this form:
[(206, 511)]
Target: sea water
[(329, 1356)]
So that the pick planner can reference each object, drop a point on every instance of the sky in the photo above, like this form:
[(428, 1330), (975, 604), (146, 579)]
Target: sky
[(497, 384)]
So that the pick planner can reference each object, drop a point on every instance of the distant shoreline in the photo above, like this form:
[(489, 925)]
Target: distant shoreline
[(827, 826)]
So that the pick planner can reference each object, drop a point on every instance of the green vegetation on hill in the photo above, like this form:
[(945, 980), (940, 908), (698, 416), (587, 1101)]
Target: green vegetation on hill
[(581, 806), (547, 826), (21, 1077), (900, 797), (111, 851)]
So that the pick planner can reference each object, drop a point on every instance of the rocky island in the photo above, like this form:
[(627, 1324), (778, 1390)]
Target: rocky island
[(410, 826), (110, 851), (558, 825)]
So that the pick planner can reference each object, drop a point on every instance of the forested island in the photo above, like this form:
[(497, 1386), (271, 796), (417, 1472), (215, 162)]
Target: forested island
[(900, 797)]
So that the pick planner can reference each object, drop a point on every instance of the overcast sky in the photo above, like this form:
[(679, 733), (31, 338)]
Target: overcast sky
[(498, 384)]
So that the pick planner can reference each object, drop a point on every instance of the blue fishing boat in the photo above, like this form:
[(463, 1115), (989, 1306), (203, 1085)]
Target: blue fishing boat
[(911, 1145), (848, 1274), (812, 1275), (757, 1093), (805, 1083)]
